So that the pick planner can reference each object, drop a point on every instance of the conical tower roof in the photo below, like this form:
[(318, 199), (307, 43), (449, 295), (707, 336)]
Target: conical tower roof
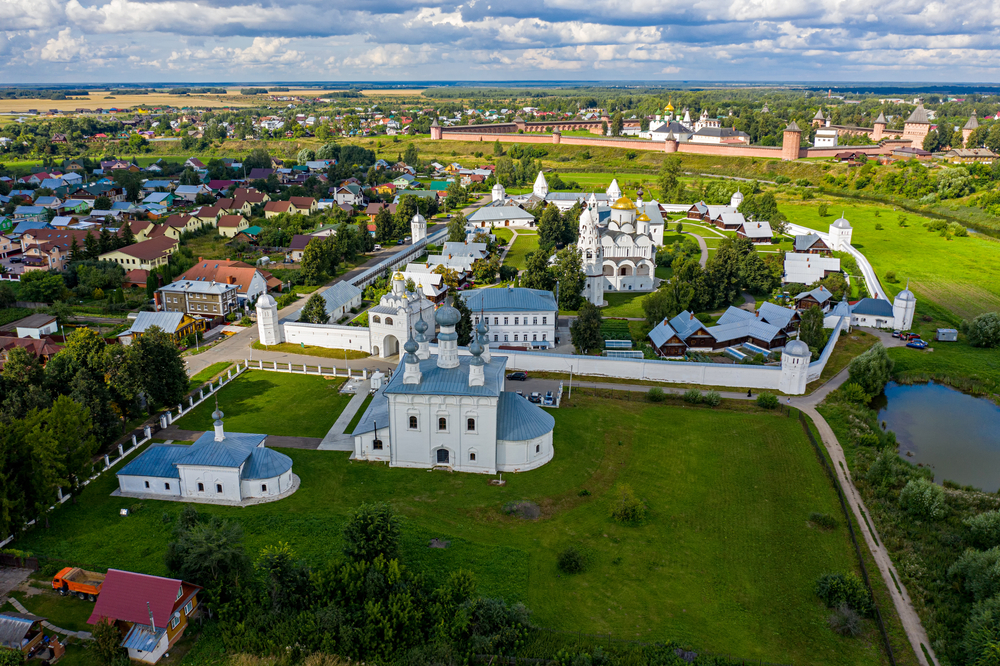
[(919, 116), (792, 127), (973, 122), (880, 119), (819, 115)]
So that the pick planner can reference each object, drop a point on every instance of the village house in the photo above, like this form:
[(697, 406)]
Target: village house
[(819, 297), (198, 298), (35, 326), (177, 325), (230, 225), (294, 206), (146, 255), (49, 249), (150, 612), (250, 282), (42, 349), (297, 246)]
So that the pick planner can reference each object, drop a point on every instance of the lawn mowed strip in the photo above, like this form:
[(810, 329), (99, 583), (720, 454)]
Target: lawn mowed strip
[(726, 560), (273, 403)]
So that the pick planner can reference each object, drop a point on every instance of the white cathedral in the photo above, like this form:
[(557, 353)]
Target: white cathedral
[(452, 412), (619, 255)]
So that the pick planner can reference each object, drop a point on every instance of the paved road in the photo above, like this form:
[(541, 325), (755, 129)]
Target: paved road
[(704, 248)]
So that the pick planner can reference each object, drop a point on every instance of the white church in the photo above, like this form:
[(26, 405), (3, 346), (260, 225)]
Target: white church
[(453, 412), (620, 255)]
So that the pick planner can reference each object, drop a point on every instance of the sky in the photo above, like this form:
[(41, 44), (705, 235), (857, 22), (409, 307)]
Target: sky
[(66, 41)]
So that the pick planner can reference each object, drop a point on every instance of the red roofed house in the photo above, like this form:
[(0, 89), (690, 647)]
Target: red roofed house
[(150, 612), (230, 225), (295, 205), (43, 349)]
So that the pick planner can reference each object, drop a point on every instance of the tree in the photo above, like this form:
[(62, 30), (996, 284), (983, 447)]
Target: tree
[(92, 250), (872, 370), (536, 271), (102, 202), (485, 270), (411, 156), (755, 276), (21, 369), (305, 155), (8, 297), (106, 645), (315, 262), (932, 141), (87, 348), (585, 331), (617, 124), (208, 553), (811, 329), (550, 230), (258, 158), (130, 181), (127, 237), (384, 225), (667, 302), (669, 179), (456, 228), (568, 272), (42, 286), (983, 331), (497, 148), (189, 177), (70, 426), (725, 267), (405, 210), (164, 379), (373, 530), (464, 326), (314, 311)]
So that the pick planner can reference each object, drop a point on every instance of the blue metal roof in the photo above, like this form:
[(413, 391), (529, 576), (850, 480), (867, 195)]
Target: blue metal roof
[(875, 307), (450, 381), (158, 460), (519, 420), (232, 451), (266, 463), (685, 324), (733, 315), (167, 321), (754, 328), (509, 299), (661, 333), (821, 294), (338, 295), (775, 314), (376, 414), (142, 637)]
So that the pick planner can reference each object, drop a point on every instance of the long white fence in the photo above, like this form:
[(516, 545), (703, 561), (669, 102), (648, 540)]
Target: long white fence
[(874, 287)]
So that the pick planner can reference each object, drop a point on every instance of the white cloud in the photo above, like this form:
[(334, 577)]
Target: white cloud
[(64, 47)]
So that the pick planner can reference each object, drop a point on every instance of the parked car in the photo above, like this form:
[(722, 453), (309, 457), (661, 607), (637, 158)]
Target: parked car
[(408, 239), (549, 400), (15, 260), (909, 336), (377, 247), (895, 333), (917, 344), (520, 393), (535, 397), (517, 376)]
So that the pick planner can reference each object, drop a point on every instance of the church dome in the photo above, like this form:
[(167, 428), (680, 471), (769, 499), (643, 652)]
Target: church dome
[(797, 348), (266, 301), (446, 315), (420, 326), (669, 107), (418, 219), (841, 223), (642, 217), (905, 296), (482, 327), (411, 346), (623, 204), (398, 276)]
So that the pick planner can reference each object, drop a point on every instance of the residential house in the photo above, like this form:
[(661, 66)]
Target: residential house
[(757, 232), (208, 215), (517, 316), (295, 205), (9, 246), (501, 216), (190, 192), (819, 297), (404, 181), (198, 298), (162, 198), (146, 255), (30, 213), (230, 225), (811, 244), (150, 612), (805, 268), (298, 246), (142, 230), (178, 325), (350, 194), (220, 185), (49, 249), (194, 163), (151, 186), (970, 155), (77, 206), (385, 189), (373, 209), (231, 206), (135, 279), (250, 282), (35, 326)]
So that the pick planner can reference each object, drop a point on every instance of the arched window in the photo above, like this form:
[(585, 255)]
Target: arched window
[(388, 321), (377, 444), (201, 487), (413, 423), (376, 320), (218, 487), (442, 423), (472, 456), (470, 424)]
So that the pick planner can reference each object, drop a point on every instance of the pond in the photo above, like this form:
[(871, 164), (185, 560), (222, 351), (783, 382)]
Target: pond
[(956, 435)]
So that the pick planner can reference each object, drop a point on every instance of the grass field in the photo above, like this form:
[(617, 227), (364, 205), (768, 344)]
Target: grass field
[(106, 100), (503, 233), (624, 304), (521, 247), (273, 403), (961, 275), (307, 350), (67, 613), (208, 373), (725, 561)]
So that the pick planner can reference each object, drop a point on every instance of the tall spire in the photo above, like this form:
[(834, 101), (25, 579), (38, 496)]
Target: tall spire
[(217, 415)]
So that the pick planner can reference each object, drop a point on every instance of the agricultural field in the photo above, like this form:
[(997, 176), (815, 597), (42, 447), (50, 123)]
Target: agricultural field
[(104, 99), (961, 275), (725, 559)]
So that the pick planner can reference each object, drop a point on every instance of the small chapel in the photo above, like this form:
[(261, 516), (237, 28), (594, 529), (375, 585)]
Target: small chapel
[(453, 411)]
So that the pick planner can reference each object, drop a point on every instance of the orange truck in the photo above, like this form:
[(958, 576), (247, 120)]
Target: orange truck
[(79, 583)]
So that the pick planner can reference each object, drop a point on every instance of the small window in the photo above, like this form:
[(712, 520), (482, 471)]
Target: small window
[(515, 337), (376, 319), (538, 448), (388, 321), (166, 486), (377, 445), (413, 423), (442, 423), (147, 484), (496, 338), (201, 487), (543, 336), (174, 621), (496, 320), (472, 457), (515, 321), (189, 607), (534, 320), (505, 338), (263, 487), (218, 487), (505, 320), (470, 424), (534, 337)]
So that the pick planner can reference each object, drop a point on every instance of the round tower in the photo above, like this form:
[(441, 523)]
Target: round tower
[(970, 127), (794, 368), (878, 129), (418, 228), (670, 144), (903, 307), (435, 130), (499, 193), (840, 234), (791, 141), (736, 199), (556, 137), (268, 326)]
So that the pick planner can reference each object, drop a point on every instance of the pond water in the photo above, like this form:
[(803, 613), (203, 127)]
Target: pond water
[(956, 435)]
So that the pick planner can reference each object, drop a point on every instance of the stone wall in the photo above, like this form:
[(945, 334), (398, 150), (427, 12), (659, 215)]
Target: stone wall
[(330, 337)]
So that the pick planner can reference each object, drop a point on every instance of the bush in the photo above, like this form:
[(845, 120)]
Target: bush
[(890, 276), (371, 531), (656, 394), (853, 393), (823, 520), (984, 529), (712, 399), (692, 396), (871, 370), (878, 226), (767, 400), (979, 571), (838, 590), (625, 506), (923, 499), (984, 330), (571, 561), (781, 180), (982, 632), (846, 621)]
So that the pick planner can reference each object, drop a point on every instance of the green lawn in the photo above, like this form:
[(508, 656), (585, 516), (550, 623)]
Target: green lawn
[(522, 246), (361, 412), (962, 275), (209, 373), (67, 613), (308, 350), (624, 304), (503, 233), (273, 403), (725, 561)]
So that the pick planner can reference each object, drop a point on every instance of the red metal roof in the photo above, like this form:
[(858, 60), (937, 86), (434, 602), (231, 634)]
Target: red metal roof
[(124, 596)]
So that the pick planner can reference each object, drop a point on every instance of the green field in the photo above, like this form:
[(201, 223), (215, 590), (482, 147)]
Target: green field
[(208, 373), (309, 350), (725, 560), (273, 403), (961, 275), (521, 247), (67, 613)]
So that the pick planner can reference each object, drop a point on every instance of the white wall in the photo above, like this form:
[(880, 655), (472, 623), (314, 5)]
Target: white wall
[(533, 329), (137, 485), (275, 486), (329, 336), (521, 456), (418, 448), (192, 475)]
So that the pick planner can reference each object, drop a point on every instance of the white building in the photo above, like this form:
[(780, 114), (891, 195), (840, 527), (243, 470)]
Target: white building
[(216, 468), (806, 269), (452, 412), (501, 215), (627, 248), (880, 313), (826, 137), (516, 316), (418, 228), (392, 319), (840, 234)]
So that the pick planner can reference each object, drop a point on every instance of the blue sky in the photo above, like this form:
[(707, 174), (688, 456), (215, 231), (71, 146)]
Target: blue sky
[(69, 41)]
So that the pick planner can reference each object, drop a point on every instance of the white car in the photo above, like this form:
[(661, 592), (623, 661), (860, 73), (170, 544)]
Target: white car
[(378, 248)]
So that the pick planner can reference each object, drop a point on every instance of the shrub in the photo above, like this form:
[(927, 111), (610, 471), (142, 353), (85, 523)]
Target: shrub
[(846, 621), (851, 392), (692, 396), (656, 394), (106, 644), (625, 506), (922, 499), (712, 399), (372, 530), (767, 400), (984, 330), (824, 210), (781, 180), (823, 520), (803, 182), (984, 529), (890, 276), (838, 590), (982, 632), (878, 226), (979, 571), (871, 370), (571, 561)]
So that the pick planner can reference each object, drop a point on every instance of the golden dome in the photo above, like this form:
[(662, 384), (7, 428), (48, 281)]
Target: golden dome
[(670, 107), (623, 204), (398, 276), (642, 217)]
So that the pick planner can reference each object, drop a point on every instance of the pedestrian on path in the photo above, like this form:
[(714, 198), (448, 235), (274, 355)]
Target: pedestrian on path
[(749, 393)]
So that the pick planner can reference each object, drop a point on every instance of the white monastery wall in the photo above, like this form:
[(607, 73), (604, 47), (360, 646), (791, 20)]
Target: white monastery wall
[(329, 336)]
